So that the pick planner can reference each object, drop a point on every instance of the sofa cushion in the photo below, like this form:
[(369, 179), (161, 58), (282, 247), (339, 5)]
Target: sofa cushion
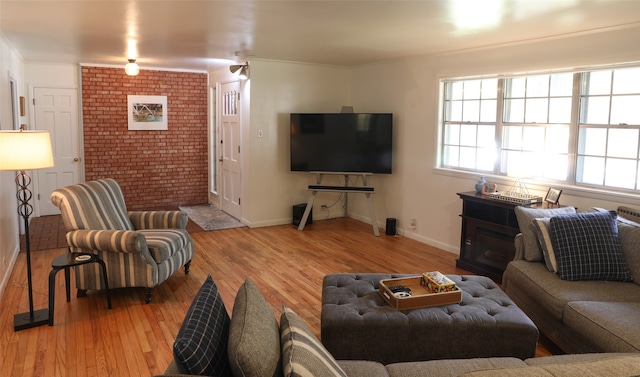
[(363, 368), (452, 367), (547, 293), (608, 326), (254, 335), (587, 247), (200, 347), (613, 367), (546, 243), (302, 353), (525, 216)]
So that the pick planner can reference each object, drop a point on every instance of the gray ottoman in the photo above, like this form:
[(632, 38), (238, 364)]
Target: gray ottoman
[(357, 324)]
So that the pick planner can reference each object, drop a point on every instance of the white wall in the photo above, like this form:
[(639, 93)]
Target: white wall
[(10, 66), (409, 88), (277, 89)]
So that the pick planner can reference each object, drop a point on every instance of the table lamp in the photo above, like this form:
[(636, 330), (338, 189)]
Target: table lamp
[(21, 151)]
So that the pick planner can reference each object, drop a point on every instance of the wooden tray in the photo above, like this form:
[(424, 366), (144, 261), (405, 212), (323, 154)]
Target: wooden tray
[(420, 297)]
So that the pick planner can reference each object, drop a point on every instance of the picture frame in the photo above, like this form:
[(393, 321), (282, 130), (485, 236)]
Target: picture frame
[(489, 188), (147, 113), (553, 196)]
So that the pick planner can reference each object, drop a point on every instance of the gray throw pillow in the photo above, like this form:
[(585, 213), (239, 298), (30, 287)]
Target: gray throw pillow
[(525, 216), (254, 335), (629, 235)]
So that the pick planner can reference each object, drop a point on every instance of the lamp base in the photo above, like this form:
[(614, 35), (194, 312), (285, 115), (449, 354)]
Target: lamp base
[(24, 321)]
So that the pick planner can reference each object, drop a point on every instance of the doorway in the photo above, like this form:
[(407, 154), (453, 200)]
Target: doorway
[(56, 110), (229, 142)]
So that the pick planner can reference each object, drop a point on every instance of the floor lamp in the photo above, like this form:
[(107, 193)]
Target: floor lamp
[(21, 151)]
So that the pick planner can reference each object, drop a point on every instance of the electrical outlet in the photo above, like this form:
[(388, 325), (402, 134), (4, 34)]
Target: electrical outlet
[(412, 223)]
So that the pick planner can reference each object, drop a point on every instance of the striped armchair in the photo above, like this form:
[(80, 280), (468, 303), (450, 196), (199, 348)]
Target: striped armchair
[(139, 248)]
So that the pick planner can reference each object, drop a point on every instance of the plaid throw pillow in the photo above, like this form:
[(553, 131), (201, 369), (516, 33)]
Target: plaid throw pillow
[(201, 345), (587, 247)]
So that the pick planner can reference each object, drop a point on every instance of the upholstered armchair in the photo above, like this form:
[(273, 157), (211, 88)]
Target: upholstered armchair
[(139, 248)]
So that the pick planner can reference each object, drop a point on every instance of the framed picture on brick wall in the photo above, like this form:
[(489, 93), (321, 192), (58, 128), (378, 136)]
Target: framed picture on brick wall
[(147, 113)]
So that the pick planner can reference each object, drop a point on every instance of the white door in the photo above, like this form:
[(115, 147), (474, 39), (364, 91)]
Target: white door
[(229, 159), (56, 111)]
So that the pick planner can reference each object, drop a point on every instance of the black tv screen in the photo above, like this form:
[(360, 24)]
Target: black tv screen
[(341, 142)]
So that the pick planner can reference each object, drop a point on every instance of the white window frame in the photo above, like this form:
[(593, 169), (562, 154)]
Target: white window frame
[(574, 126)]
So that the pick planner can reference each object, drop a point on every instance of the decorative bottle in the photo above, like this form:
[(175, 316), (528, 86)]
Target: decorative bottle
[(479, 184)]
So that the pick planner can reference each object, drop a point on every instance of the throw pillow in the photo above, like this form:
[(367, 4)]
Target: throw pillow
[(546, 244), (587, 247), (629, 236), (302, 353), (525, 216), (254, 335), (201, 345)]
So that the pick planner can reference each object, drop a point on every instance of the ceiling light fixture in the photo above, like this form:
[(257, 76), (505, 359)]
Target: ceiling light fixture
[(244, 70), (132, 68)]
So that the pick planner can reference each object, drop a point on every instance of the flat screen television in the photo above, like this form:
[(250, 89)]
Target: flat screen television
[(342, 142)]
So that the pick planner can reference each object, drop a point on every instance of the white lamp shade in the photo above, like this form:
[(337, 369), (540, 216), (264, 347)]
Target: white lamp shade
[(25, 150)]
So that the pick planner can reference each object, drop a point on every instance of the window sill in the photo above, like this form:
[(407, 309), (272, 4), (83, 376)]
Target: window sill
[(541, 187)]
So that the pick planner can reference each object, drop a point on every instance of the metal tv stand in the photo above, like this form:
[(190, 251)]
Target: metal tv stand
[(346, 189)]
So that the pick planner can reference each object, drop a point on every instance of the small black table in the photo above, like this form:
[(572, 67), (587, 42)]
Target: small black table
[(66, 261)]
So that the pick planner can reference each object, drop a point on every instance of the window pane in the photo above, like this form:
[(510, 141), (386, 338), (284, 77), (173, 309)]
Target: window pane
[(471, 111), (488, 110), (452, 134), (595, 110), (593, 141), (472, 89), (456, 90), (536, 110), (515, 87), (626, 81), (626, 109), (562, 84), (533, 138), (598, 82), (557, 139), (590, 170), (555, 166), (468, 158), (512, 137), (538, 86), (487, 137), (514, 110), (622, 143), (468, 135), (450, 157), (490, 88), (620, 173), (486, 159), (560, 110), (453, 111)]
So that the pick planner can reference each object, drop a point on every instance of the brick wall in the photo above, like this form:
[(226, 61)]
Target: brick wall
[(156, 169)]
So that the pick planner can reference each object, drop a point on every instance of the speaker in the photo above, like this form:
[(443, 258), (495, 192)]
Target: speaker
[(391, 227), (298, 212)]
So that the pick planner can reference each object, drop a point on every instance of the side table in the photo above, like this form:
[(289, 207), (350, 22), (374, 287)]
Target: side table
[(66, 261)]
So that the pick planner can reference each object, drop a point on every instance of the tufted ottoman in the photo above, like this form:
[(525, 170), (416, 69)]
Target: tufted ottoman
[(357, 324)]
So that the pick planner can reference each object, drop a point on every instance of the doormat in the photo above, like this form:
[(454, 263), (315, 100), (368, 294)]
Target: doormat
[(209, 217)]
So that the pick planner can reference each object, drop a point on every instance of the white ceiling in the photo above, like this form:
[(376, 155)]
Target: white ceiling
[(197, 34)]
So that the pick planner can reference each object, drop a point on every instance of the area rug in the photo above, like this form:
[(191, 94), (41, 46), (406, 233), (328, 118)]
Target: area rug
[(209, 217)]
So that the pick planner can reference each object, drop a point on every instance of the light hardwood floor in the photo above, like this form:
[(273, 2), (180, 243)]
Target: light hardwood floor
[(135, 339)]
